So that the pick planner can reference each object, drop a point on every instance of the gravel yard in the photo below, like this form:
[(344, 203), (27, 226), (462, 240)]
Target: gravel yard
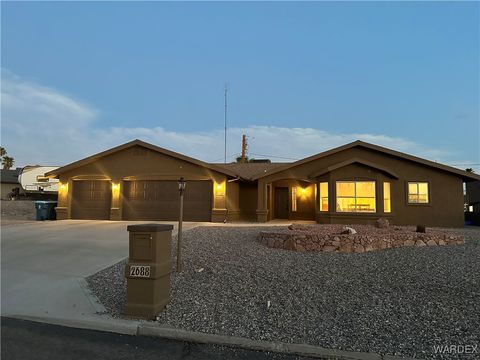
[(400, 301)]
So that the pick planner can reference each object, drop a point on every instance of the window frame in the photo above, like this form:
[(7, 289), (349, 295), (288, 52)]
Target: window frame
[(407, 193), (389, 196), (320, 196), (374, 181)]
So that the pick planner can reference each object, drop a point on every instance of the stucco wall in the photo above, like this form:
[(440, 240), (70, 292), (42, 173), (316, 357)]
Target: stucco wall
[(446, 193), (139, 163)]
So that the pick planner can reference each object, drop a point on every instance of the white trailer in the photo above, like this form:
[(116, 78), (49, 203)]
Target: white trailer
[(33, 180)]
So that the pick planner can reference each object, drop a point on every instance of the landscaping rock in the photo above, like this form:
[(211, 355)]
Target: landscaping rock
[(370, 238), (399, 302), (348, 230), (382, 223)]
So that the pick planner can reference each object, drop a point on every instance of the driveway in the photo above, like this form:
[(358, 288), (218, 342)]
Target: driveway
[(43, 265)]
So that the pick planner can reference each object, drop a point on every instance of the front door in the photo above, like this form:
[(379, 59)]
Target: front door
[(281, 203)]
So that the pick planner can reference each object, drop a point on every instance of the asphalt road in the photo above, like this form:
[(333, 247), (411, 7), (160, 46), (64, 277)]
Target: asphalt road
[(21, 340)]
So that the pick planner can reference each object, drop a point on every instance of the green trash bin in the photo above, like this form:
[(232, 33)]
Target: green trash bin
[(45, 210)]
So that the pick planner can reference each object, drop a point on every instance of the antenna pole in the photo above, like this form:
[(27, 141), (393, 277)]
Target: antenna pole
[(225, 119)]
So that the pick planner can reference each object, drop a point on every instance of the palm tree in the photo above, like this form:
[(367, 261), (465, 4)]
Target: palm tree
[(7, 162), (3, 152)]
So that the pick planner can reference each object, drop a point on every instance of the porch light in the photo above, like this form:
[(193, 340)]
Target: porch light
[(62, 186), (115, 186), (181, 185), (219, 186)]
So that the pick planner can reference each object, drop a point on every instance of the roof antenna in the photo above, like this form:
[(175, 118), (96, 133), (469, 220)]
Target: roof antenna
[(225, 118)]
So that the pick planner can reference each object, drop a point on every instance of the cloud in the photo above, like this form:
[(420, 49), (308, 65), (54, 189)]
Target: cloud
[(41, 125)]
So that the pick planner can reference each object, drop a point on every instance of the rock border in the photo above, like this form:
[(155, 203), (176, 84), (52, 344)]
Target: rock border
[(307, 239)]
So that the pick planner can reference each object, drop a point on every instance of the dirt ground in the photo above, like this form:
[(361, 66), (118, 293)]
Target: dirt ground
[(17, 212)]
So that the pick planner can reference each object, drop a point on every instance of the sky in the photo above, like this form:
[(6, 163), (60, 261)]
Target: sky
[(78, 78)]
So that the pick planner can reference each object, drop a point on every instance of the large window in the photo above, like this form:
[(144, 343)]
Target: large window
[(356, 196), (324, 196), (387, 202), (418, 193)]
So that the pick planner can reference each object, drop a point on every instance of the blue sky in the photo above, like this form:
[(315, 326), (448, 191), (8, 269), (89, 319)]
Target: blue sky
[(302, 77)]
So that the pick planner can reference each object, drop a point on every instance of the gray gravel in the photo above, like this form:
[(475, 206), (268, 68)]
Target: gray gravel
[(399, 301)]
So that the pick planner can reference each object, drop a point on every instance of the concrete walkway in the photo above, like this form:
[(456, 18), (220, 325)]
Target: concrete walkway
[(44, 265)]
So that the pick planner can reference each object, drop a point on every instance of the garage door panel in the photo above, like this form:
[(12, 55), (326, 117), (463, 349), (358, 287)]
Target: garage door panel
[(91, 199), (159, 200)]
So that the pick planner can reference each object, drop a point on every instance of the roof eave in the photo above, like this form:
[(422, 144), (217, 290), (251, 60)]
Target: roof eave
[(55, 173)]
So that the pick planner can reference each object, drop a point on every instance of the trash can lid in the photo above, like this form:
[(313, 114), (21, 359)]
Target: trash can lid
[(149, 227)]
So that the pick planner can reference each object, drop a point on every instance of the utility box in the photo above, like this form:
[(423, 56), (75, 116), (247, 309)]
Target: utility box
[(148, 270)]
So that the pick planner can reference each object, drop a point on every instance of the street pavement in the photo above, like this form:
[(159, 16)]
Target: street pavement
[(25, 340)]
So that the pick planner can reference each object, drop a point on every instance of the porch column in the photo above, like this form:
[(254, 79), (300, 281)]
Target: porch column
[(64, 199), (262, 208), (219, 206), (115, 213)]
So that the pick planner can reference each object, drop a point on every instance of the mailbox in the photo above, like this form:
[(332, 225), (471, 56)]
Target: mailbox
[(148, 269)]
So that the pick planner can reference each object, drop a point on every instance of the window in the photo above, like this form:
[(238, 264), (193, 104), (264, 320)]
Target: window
[(324, 196), (294, 198), (387, 205), (418, 193), (356, 196)]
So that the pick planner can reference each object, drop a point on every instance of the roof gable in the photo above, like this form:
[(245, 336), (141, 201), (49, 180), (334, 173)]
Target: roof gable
[(90, 159), (355, 161), (463, 174)]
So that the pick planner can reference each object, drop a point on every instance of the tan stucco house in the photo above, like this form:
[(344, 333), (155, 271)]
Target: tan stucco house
[(355, 183)]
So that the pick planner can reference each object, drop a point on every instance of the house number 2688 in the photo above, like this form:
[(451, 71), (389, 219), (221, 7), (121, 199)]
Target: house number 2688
[(139, 271)]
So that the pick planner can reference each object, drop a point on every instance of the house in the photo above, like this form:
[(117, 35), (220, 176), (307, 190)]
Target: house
[(354, 183), (472, 201), (9, 182)]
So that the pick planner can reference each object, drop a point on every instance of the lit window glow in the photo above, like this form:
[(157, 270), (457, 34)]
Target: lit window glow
[(355, 196), (418, 193), (324, 196), (387, 205)]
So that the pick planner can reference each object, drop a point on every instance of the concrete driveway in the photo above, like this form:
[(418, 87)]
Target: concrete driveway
[(43, 265)]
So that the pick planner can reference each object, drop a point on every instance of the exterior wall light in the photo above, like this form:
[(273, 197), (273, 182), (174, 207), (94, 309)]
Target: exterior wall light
[(62, 186), (115, 186), (181, 185)]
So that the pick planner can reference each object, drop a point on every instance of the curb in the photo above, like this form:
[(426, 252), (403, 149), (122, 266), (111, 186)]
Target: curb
[(139, 328), (124, 327), (231, 341)]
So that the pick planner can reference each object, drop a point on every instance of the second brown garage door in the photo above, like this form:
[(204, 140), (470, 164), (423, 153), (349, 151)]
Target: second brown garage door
[(91, 199), (159, 200)]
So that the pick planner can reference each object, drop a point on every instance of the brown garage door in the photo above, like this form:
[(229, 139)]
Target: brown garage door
[(91, 199), (159, 200)]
